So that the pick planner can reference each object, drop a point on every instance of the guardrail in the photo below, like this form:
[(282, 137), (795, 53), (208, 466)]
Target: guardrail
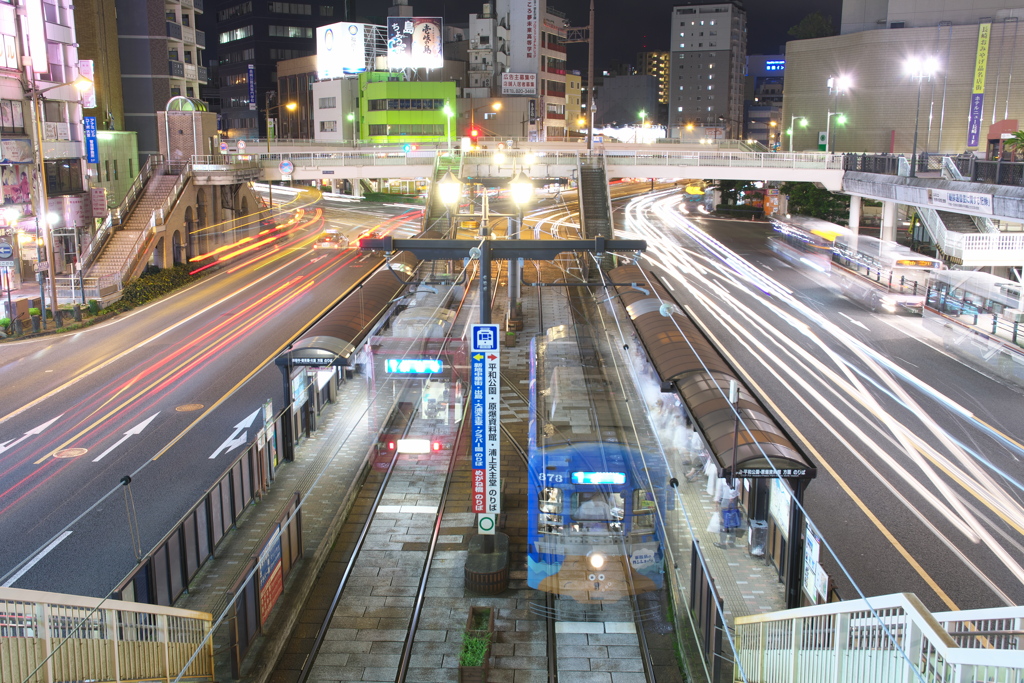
[(886, 638), (53, 637)]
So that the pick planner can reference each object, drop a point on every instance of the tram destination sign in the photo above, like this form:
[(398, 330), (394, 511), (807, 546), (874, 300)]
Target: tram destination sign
[(485, 389)]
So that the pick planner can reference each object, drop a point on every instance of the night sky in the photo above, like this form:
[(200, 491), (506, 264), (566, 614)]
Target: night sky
[(625, 27)]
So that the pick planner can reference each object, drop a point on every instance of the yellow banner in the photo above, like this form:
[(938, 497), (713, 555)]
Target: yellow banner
[(981, 60)]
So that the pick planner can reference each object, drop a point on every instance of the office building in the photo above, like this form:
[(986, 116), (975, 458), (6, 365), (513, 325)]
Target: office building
[(655, 64), (707, 58), (762, 100)]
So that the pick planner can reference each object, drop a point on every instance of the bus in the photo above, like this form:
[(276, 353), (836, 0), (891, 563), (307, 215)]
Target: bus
[(883, 276)]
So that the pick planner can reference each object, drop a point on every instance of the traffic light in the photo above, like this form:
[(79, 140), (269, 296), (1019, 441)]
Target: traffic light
[(474, 133), (409, 147)]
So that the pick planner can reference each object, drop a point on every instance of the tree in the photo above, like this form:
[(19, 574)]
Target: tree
[(731, 189), (807, 199), (1015, 143), (814, 25)]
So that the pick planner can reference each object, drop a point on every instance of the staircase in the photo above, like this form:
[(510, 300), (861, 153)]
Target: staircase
[(125, 243), (958, 222), (436, 214), (595, 202)]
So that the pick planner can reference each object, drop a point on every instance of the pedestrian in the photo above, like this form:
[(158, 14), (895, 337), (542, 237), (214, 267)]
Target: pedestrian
[(727, 503)]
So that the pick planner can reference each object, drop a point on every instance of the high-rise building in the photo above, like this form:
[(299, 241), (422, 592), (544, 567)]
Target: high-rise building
[(251, 37), (762, 100), (655, 64), (146, 83), (707, 58)]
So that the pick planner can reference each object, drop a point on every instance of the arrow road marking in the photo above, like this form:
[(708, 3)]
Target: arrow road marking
[(8, 445), (134, 431), (42, 553), (238, 437), (855, 322)]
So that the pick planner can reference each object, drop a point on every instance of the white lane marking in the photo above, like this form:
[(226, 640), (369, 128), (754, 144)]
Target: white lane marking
[(855, 322), (8, 445), (134, 431), (238, 436), (42, 553)]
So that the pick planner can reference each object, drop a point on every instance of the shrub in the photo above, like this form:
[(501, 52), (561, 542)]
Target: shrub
[(153, 285), (34, 311), (474, 648), (94, 307), (5, 323)]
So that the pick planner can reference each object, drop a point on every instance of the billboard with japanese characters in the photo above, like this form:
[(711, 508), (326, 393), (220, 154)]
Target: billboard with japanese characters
[(415, 43)]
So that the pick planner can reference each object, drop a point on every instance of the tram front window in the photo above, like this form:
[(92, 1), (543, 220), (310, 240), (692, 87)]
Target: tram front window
[(597, 511)]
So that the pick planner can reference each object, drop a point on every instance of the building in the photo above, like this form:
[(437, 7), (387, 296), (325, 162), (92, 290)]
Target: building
[(296, 79), (576, 122), (394, 110), (252, 36), (487, 52), (762, 100), (880, 103), (656, 64), (118, 149), (708, 55), (161, 56), (870, 15)]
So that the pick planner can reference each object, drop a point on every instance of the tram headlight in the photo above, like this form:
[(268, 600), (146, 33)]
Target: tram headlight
[(596, 559)]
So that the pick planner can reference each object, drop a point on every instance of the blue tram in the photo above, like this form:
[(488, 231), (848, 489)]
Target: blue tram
[(594, 530)]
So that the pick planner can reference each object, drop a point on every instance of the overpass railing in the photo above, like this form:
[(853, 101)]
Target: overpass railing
[(886, 638), (53, 637), (802, 160)]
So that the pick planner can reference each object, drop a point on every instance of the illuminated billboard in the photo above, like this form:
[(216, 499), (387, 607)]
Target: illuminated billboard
[(415, 43), (340, 50)]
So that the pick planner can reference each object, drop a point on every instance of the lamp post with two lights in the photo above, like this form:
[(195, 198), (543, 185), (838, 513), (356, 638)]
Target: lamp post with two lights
[(921, 69)]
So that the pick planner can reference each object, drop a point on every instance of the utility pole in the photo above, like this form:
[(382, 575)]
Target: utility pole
[(585, 34)]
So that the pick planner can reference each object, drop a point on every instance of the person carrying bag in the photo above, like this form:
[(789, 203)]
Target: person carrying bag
[(730, 518)]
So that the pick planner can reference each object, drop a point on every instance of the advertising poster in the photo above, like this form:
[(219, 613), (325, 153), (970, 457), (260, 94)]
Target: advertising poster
[(18, 183), (250, 76), (271, 577), (415, 43), (85, 68), (340, 50), (518, 84)]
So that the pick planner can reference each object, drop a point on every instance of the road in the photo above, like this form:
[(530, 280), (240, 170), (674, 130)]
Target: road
[(168, 394), (918, 455)]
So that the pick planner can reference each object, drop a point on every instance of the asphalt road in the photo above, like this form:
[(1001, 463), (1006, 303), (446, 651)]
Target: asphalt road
[(918, 455), (168, 394)]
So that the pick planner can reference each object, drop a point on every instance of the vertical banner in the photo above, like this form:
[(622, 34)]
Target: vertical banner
[(978, 90), (251, 78), (271, 576), (485, 390), (86, 69), (92, 145)]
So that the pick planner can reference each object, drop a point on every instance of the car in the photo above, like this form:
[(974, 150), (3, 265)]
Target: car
[(331, 239)]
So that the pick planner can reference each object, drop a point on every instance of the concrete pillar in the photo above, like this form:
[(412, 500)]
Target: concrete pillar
[(855, 205), (334, 185), (357, 190), (888, 221)]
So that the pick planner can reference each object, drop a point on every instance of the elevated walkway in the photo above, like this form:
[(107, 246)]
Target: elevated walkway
[(885, 638), (56, 637)]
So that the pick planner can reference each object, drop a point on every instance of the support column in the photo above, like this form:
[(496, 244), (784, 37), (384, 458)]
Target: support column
[(357, 191), (855, 208), (888, 222)]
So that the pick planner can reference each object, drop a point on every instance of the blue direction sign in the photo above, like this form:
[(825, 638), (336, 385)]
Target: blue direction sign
[(485, 438), (6, 251), (92, 145)]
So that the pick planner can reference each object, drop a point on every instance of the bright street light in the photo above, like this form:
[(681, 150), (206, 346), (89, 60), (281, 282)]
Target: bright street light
[(836, 85), (922, 69), (522, 189), (792, 126), (448, 124)]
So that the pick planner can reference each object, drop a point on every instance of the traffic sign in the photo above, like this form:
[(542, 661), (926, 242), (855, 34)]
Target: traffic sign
[(241, 145), (286, 167), (485, 523), (223, 148), (6, 264), (6, 250)]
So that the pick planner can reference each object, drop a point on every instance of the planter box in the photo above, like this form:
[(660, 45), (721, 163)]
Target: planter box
[(479, 623)]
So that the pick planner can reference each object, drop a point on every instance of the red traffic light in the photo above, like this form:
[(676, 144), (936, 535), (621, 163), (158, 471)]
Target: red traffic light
[(437, 445), (474, 132)]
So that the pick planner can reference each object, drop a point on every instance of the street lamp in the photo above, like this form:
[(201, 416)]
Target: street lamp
[(81, 83), (836, 85), (922, 69), (351, 116), (495, 106), (448, 113), (792, 127), (840, 120), (522, 193), (290, 106)]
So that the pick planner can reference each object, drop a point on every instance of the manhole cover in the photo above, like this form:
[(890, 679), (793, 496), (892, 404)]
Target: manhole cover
[(71, 452), (189, 407)]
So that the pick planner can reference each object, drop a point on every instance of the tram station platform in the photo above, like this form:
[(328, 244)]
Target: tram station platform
[(327, 468)]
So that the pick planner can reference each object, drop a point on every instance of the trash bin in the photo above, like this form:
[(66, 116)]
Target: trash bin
[(757, 538)]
